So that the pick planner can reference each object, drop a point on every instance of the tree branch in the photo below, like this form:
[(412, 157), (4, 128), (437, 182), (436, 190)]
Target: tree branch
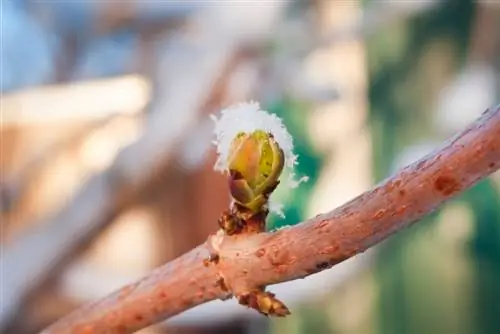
[(249, 261)]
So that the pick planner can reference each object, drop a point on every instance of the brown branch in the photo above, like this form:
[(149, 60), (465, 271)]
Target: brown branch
[(250, 261)]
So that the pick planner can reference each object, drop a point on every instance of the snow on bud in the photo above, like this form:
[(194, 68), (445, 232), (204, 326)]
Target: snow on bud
[(254, 147)]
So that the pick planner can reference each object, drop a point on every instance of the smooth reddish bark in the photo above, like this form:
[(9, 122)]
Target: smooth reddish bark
[(249, 261)]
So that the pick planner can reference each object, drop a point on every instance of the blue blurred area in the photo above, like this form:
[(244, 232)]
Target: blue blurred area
[(159, 11), (33, 33), (74, 17), (27, 50), (107, 56)]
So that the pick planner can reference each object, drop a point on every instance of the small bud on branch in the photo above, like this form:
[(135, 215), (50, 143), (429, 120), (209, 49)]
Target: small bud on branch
[(254, 145), (253, 161)]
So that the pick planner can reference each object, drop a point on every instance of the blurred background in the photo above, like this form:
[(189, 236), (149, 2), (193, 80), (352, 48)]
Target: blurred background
[(106, 156)]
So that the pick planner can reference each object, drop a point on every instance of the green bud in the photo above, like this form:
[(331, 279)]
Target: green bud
[(255, 164)]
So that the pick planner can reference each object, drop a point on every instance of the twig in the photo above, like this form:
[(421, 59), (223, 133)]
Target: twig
[(247, 262)]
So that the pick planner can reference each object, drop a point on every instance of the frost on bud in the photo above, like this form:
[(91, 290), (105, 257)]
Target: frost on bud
[(254, 148), (255, 163)]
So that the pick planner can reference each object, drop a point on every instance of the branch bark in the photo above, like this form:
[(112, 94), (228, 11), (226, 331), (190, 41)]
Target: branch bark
[(250, 261)]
